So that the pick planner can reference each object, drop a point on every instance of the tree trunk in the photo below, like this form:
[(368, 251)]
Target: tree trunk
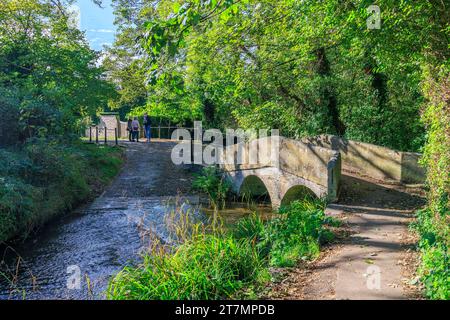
[(323, 69)]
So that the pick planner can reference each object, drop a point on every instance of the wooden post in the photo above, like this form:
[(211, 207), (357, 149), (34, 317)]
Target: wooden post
[(96, 134), (168, 131), (116, 136), (192, 147), (106, 136), (90, 133), (159, 131)]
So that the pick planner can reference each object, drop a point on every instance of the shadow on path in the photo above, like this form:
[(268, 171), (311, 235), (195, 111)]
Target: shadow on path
[(366, 264)]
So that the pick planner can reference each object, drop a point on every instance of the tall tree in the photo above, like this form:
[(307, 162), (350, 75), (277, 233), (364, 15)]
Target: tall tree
[(48, 64)]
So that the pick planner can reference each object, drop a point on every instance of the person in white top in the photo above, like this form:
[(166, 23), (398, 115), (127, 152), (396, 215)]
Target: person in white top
[(135, 129)]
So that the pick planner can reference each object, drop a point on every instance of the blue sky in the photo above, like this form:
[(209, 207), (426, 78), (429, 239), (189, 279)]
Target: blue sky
[(97, 23)]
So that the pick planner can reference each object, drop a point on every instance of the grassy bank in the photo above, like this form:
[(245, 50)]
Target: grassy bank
[(213, 263), (42, 179)]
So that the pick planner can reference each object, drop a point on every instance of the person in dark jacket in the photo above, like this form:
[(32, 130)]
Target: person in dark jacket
[(130, 129), (147, 127)]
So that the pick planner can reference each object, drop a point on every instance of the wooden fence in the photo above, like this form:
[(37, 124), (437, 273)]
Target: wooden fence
[(104, 135)]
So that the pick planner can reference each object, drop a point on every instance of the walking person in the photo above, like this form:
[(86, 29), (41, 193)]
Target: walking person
[(135, 129), (130, 129), (147, 127)]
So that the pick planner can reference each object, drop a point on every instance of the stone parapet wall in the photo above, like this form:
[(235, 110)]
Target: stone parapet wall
[(123, 130), (111, 123), (374, 161), (412, 172), (314, 164)]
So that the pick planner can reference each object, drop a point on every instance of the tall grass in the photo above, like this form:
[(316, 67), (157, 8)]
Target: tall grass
[(210, 267), (213, 263), (294, 234)]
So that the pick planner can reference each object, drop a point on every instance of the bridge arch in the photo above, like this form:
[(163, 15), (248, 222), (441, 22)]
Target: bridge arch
[(297, 192), (253, 186)]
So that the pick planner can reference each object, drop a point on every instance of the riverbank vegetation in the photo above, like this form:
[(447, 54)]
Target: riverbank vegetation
[(49, 86), (212, 262), (42, 179)]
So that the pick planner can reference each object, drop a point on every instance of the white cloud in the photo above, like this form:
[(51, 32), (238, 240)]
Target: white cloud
[(101, 30)]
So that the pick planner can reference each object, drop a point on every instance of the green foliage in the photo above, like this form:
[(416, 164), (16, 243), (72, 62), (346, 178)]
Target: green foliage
[(38, 119), (214, 183), (435, 271), (48, 69), (127, 67), (433, 225), (434, 245), (296, 234), (434, 221), (49, 84), (222, 265), (45, 178), (305, 68), (9, 111), (131, 93)]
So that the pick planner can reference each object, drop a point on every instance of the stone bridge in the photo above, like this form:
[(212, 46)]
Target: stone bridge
[(282, 168)]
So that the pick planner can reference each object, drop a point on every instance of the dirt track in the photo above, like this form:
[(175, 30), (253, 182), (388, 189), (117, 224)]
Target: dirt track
[(148, 171), (374, 260)]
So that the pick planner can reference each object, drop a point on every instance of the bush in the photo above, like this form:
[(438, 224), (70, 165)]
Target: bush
[(23, 116), (39, 119), (433, 223), (435, 271), (213, 182)]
